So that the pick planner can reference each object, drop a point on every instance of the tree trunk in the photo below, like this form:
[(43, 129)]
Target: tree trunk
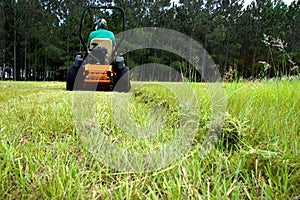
[(45, 68), (253, 63), (35, 61), (25, 61), (15, 44)]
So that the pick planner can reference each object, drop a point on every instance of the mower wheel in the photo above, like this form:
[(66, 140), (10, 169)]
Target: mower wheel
[(123, 84), (71, 76)]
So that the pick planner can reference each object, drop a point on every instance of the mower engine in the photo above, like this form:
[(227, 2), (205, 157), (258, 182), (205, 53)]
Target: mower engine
[(98, 70)]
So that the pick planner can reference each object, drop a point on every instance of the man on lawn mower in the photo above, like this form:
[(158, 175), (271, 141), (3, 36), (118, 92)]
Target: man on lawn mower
[(101, 31)]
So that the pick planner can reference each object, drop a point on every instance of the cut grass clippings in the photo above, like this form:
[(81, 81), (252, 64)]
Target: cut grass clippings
[(257, 156)]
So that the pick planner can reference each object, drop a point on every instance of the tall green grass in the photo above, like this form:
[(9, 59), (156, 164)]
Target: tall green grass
[(257, 156)]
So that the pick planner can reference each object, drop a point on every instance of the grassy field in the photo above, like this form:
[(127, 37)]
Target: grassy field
[(42, 155)]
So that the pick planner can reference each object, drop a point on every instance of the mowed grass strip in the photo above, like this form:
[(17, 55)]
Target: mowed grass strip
[(42, 156)]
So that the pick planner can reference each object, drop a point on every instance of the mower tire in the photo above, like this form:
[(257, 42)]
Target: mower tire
[(123, 84), (71, 76)]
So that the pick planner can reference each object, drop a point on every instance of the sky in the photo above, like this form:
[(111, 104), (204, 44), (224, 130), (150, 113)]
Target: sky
[(247, 2)]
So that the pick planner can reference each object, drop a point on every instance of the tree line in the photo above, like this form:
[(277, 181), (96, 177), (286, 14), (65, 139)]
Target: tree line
[(39, 38)]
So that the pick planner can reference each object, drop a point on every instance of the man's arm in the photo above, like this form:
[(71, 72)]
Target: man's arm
[(88, 43), (113, 39), (91, 36)]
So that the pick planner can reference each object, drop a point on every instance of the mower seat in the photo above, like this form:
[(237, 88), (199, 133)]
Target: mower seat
[(104, 42)]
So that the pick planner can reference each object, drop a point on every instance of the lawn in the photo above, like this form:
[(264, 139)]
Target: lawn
[(44, 155)]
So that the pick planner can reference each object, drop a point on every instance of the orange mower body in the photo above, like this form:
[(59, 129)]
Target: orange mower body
[(102, 75)]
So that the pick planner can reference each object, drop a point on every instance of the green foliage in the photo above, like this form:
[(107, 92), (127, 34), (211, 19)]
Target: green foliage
[(47, 41)]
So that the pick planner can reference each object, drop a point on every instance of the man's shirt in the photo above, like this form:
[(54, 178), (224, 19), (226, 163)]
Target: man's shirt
[(102, 33)]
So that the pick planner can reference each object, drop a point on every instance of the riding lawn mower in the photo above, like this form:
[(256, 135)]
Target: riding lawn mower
[(99, 67)]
